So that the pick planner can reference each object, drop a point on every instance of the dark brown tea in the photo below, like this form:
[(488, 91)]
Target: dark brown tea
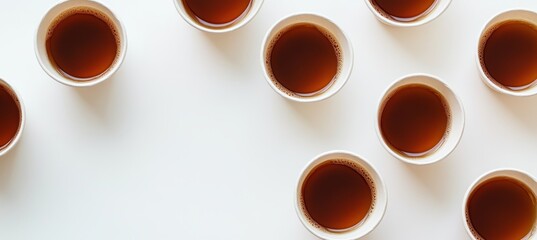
[(82, 44), (509, 54), (407, 10), (337, 196), (10, 116), (304, 59), (414, 120), (217, 13), (501, 208)]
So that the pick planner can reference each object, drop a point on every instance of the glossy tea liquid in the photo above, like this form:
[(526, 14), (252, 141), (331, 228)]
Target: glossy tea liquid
[(509, 54), (217, 13), (82, 44), (407, 10), (414, 120), (501, 208), (304, 59), (10, 116), (337, 195)]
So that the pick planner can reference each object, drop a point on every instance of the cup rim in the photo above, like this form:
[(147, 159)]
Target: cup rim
[(380, 186), (395, 23), (18, 135), (246, 19), (343, 79), (105, 75), (484, 77), (480, 179), (422, 161)]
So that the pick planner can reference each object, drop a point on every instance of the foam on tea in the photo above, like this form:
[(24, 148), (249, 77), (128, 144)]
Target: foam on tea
[(508, 54), (404, 11), (414, 120), (337, 195), (82, 43), (501, 208), (10, 116), (303, 59), (217, 13)]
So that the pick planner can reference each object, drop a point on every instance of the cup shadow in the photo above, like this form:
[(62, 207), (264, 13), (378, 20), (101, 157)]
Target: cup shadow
[(435, 177), (522, 108), (239, 47), (418, 42), (98, 99), (7, 164), (322, 117)]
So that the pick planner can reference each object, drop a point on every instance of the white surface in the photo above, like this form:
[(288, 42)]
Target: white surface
[(188, 141)]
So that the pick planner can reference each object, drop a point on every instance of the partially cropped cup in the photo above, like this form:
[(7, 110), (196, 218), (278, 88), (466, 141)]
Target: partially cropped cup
[(80, 43), (306, 57), (501, 204), (407, 13), (507, 53), (340, 196), (420, 120), (218, 16), (12, 117)]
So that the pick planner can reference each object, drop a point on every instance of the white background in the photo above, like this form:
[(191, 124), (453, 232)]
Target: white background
[(188, 141)]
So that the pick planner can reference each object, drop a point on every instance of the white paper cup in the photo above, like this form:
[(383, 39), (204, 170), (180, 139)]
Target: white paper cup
[(49, 19), (247, 16), (345, 50), (439, 7), (18, 100), (519, 175), (516, 14), (455, 125), (373, 218)]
